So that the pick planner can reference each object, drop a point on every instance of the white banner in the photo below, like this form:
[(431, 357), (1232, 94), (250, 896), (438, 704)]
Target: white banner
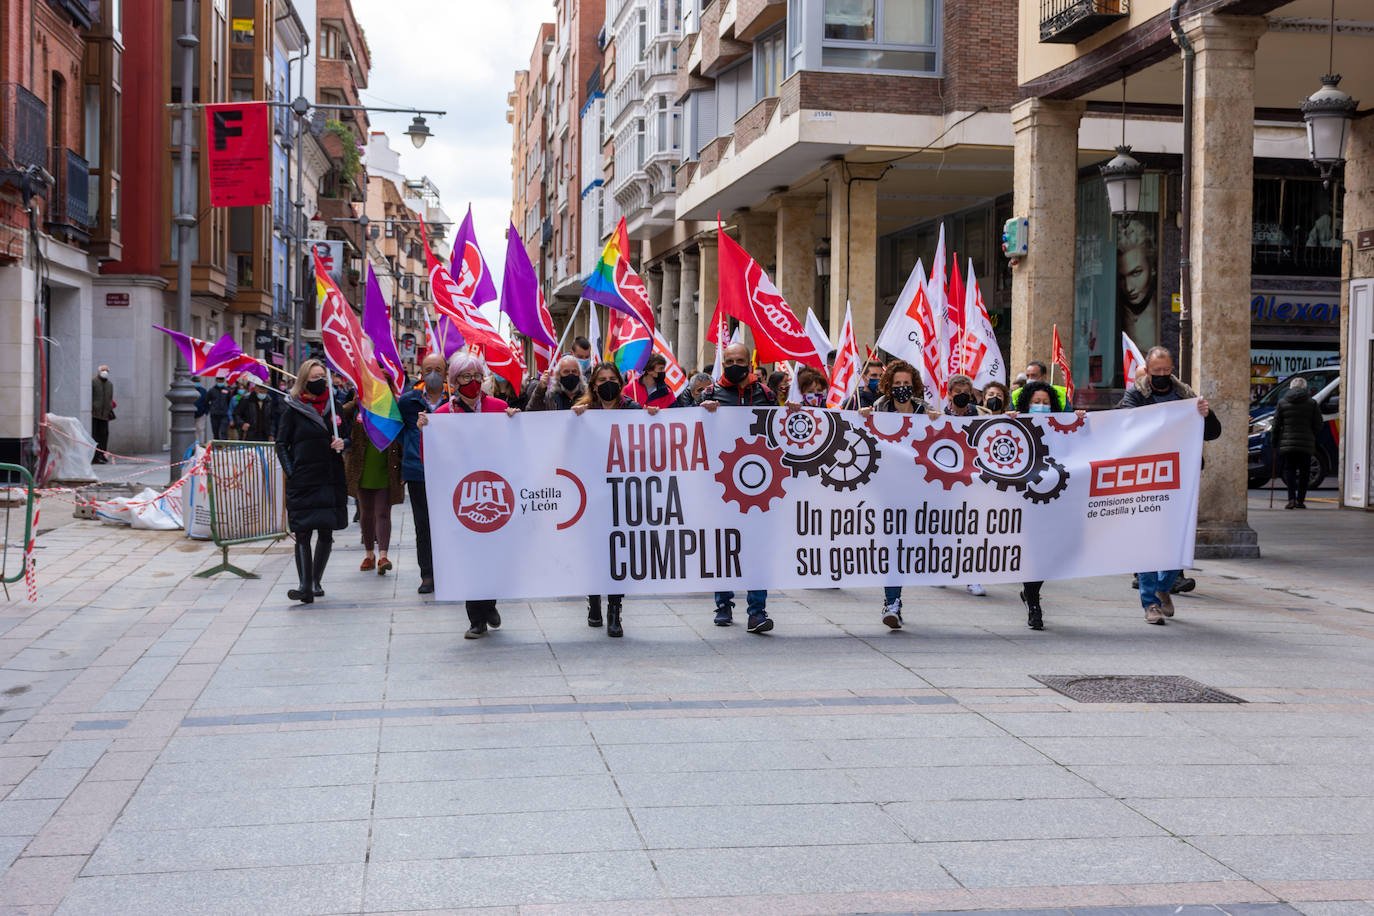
[(551, 504)]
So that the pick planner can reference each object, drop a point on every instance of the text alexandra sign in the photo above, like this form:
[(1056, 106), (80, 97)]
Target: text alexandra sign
[(239, 152), (552, 504)]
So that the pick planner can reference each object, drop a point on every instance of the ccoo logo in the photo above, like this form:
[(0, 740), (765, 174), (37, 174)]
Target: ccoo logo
[(483, 502)]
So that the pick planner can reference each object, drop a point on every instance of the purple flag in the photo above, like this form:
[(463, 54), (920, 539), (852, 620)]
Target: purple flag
[(203, 357), (377, 326), (520, 294), (468, 268)]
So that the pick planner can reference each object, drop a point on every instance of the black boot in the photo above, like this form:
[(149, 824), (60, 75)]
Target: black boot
[(613, 627), (1034, 616), (322, 549), (593, 610), (304, 594)]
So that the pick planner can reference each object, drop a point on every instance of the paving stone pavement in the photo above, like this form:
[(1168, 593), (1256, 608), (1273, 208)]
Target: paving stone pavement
[(184, 746)]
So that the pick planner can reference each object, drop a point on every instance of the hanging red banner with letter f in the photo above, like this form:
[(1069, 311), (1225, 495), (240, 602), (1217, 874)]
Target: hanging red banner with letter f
[(239, 153)]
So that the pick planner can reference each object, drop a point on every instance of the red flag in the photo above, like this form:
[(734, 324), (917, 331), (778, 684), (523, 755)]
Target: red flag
[(239, 154), (1062, 361), (748, 295), (954, 321), (339, 328), (456, 303)]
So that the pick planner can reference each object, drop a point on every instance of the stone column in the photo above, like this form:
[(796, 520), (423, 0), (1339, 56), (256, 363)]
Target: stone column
[(653, 284), (667, 312), (708, 291), (795, 253), (854, 248), (687, 319), (1358, 213), (16, 354), (1045, 191), (1222, 195)]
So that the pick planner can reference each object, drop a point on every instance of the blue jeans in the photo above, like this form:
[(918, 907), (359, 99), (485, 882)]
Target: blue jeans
[(1152, 582), (756, 599), (891, 593)]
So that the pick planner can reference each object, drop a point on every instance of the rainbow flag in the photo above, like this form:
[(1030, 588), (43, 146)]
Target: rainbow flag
[(628, 343), (350, 352), (614, 283)]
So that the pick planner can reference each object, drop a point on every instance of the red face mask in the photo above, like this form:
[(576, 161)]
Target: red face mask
[(470, 389)]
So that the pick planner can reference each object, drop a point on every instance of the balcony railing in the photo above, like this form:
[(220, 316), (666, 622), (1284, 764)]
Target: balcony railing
[(69, 212), (1070, 21), (23, 126)]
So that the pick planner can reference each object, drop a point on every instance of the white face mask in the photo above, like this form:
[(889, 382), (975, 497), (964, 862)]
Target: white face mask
[(104, 373)]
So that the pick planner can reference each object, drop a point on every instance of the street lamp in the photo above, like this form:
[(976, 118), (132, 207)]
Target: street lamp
[(1327, 113), (822, 253), (1124, 174), (418, 132)]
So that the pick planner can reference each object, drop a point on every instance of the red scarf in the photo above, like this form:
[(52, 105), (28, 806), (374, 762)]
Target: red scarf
[(319, 402)]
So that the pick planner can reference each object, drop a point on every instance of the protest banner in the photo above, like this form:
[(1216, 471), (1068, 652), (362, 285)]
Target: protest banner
[(692, 501)]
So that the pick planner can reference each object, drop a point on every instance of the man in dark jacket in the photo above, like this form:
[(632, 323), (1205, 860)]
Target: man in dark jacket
[(219, 409), (568, 383), (739, 387), (256, 414), (102, 412), (426, 397), (1297, 423), (1159, 385)]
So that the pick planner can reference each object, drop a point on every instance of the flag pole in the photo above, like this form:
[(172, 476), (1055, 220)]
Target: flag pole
[(567, 329)]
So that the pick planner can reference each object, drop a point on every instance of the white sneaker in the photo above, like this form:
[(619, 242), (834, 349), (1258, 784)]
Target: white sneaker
[(892, 613), (976, 590)]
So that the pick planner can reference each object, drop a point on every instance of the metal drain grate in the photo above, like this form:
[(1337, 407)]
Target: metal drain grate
[(1134, 688)]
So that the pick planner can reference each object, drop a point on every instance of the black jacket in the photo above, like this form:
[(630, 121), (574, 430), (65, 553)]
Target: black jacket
[(753, 393), (316, 486), (259, 413), (219, 402), (1297, 422), (1141, 394)]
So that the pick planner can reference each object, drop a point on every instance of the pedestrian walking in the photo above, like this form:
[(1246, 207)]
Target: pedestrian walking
[(202, 412), (607, 393), (1037, 397), (102, 412), (466, 375), (425, 398), (1297, 423), (374, 480), (219, 409), (256, 413), (899, 391), (738, 386), (1159, 386), (311, 457)]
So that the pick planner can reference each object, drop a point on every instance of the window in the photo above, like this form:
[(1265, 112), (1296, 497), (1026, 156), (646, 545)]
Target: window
[(772, 65), (639, 144), (331, 43), (879, 35), (661, 138)]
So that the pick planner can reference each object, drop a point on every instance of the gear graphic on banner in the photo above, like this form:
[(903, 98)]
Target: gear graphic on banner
[(808, 438), (752, 474), (1049, 483), (1072, 426), (1009, 453), (871, 425), (854, 463), (946, 456)]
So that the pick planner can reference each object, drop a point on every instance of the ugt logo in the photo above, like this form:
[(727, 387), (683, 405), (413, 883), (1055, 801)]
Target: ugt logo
[(483, 502)]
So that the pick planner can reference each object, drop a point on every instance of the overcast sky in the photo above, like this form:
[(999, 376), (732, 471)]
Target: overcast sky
[(458, 56)]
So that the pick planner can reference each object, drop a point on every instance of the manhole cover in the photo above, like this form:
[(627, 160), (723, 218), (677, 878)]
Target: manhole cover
[(1134, 688)]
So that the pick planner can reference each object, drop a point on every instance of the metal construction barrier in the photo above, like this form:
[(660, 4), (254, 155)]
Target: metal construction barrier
[(247, 498), (16, 485)]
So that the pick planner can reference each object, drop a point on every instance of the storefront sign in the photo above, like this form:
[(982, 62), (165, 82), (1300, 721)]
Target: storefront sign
[(1278, 364), (239, 152), (117, 300), (1296, 308)]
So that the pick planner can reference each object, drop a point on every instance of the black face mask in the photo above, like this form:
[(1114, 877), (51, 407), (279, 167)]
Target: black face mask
[(902, 393), (317, 386), (994, 404), (961, 400), (736, 373), (570, 381), (608, 390), (1161, 383)]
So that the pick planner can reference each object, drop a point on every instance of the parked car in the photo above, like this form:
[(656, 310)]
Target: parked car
[(1325, 384)]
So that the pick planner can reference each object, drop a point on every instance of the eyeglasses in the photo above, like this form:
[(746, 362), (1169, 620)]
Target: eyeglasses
[(469, 377)]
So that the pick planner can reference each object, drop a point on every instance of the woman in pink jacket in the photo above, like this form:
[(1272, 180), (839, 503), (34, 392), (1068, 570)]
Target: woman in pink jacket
[(466, 373)]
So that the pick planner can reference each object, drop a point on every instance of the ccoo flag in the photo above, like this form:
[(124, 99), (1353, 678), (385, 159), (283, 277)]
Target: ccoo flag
[(746, 294), (614, 283), (350, 352)]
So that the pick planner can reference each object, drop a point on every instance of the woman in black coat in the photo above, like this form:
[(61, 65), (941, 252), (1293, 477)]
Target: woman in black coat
[(311, 456)]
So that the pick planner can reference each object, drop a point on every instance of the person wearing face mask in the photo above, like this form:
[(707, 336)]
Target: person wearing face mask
[(899, 391), (582, 352), (310, 453), (256, 414), (651, 388), (102, 412), (739, 387), (961, 399), (996, 399), (696, 387), (219, 409), (426, 397), (1159, 386), (466, 373), (869, 387), (1037, 397), (559, 388), (374, 480), (606, 393), (810, 389)]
